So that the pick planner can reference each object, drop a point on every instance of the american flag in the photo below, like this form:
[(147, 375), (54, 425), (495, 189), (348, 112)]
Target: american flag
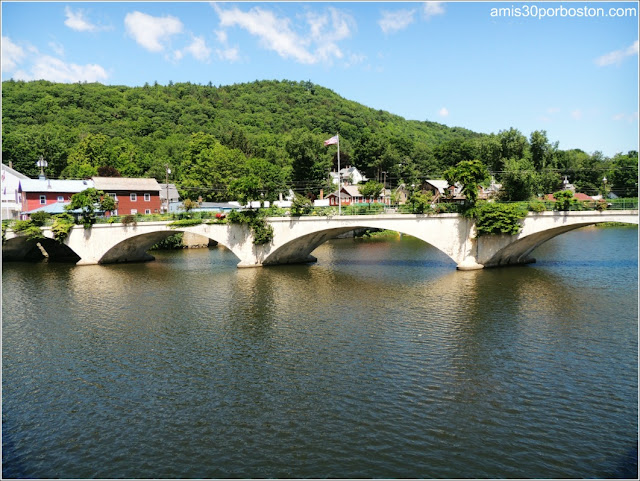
[(332, 140)]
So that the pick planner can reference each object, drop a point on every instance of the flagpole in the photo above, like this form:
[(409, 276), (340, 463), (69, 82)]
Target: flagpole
[(339, 179)]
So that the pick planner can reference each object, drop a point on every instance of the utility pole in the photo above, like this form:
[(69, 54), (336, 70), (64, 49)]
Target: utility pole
[(166, 178)]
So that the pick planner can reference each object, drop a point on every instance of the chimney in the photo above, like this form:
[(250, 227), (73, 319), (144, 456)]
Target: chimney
[(321, 194)]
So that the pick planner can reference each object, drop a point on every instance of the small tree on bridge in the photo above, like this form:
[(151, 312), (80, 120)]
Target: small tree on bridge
[(564, 199), (88, 201)]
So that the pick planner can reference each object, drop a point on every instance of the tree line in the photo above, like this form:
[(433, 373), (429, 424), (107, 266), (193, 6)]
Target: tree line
[(255, 140)]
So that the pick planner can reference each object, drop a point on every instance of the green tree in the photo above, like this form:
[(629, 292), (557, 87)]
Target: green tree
[(301, 205), (542, 152), (310, 159), (518, 180), (246, 189), (623, 176), (514, 144), (371, 189), (469, 173), (564, 200), (85, 158), (208, 168), (88, 201), (420, 201)]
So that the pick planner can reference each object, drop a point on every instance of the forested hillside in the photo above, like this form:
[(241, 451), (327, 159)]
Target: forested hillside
[(272, 131)]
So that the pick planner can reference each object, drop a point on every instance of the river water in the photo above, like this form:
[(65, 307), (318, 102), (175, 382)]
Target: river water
[(380, 360)]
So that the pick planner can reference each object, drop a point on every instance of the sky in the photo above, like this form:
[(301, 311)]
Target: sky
[(569, 68)]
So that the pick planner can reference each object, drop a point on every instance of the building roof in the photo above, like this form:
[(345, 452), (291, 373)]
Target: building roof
[(55, 208), (54, 185), (576, 195), (441, 185), (173, 192), (125, 183), (15, 173)]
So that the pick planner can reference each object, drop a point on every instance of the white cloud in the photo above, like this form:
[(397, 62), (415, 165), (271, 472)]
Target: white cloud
[(57, 47), (626, 117), (12, 54), (327, 30), (443, 112), (152, 32), (355, 59), (433, 8), (576, 114), (198, 49), (77, 21), (274, 33), (617, 56), (553, 110), (395, 21), (230, 54), (50, 68), (315, 41), (221, 35)]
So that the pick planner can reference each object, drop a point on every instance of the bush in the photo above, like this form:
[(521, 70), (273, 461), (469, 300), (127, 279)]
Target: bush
[(301, 205), (420, 202), (493, 218), (564, 200), (40, 218), (28, 229), (537, 206), (170, 243), (62, 225), (255, 219), (185, 223), (129, 220)]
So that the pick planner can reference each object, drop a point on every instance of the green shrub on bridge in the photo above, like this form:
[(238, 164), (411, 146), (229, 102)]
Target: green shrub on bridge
[(185, 223), (494, 218), (28, 229), (255, 219), (62, 225), (40, 218)]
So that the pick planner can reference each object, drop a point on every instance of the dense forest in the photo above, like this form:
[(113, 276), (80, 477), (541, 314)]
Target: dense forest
[(269, 135)]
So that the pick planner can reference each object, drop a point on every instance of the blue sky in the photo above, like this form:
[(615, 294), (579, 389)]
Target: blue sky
[(571, 72)]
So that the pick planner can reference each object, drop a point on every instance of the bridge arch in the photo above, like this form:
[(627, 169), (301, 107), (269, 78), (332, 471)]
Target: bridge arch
[(135, 248), (22, 248), (301, 243), (518, 250)]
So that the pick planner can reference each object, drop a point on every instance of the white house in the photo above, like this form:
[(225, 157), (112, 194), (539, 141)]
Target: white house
[(11, 198), (350, 175)]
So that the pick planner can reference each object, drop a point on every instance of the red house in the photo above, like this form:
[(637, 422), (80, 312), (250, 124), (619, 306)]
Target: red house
[(132, 196), (37, 193)]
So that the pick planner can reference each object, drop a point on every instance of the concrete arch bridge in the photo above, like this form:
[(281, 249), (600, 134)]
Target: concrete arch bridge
[(295, 238)]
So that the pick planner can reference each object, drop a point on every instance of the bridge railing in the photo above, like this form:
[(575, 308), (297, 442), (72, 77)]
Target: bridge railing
[(367, 209)]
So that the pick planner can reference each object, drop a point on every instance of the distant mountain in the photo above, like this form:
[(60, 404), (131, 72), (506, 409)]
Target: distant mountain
[(146, 128)]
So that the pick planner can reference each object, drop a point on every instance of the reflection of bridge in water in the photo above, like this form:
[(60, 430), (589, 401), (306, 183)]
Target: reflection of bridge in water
[(296, 237)]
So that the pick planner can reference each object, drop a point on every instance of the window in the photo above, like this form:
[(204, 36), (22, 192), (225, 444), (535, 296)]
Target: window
[(133, 197), (134, 211), (147, 197), (43, 199), (114, 212), (61, 198), (147, 211), (112, 195)]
